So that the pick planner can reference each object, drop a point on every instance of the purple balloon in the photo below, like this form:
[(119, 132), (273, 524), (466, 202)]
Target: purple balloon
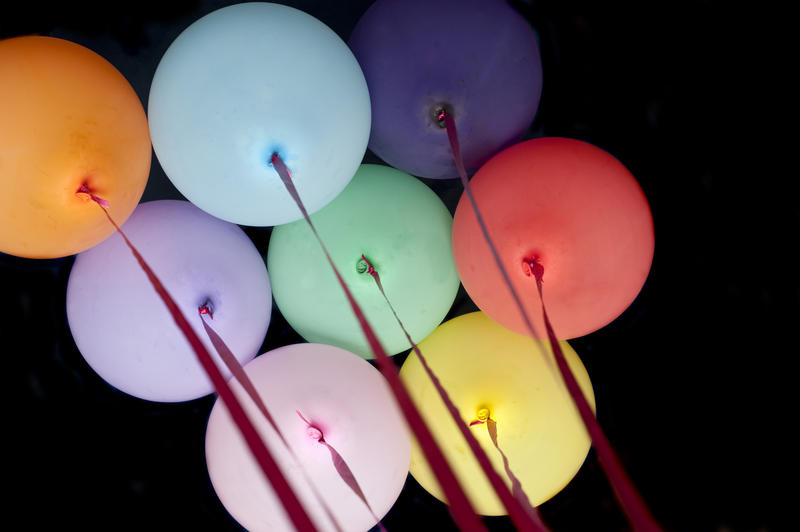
[(479, 58), (122, 327)]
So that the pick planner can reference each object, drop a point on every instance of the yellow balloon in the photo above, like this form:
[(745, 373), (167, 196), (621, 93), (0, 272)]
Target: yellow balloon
[(485, 367)]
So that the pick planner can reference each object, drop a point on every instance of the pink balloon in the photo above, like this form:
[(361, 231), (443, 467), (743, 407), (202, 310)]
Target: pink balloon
[(350, 403), (123, 329)]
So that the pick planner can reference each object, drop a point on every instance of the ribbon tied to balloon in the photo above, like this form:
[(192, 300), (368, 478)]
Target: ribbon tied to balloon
[(126, 334), (576, 212), (396, 223), (343, 403), (478, 59), (70, 120), (245, 82), (493, 378)]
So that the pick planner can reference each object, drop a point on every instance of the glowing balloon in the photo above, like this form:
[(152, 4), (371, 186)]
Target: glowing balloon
[(349, 402), (574, 208), (477, 57), (244, 82), (68, 118), (125, 332), (402, 228), (484, 366)]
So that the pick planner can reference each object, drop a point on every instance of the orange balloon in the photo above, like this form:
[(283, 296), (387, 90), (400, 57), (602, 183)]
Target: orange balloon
[(576, 210), (67, 118)]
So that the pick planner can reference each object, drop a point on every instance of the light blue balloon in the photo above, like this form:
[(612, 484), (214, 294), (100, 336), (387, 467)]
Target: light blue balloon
[(249, 80)]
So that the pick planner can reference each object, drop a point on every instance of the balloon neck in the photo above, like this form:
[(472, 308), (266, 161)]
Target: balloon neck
[(206, 308), (276, 161), (314, 433), (365, 266), (440, 112), (532, 267), (84, 189), (481, 416)]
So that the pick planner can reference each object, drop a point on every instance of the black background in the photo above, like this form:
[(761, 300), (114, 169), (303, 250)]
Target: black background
[(689, 380)]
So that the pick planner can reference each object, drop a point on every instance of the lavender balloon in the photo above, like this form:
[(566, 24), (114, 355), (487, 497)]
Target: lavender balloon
[(123, 329), (477, 58)]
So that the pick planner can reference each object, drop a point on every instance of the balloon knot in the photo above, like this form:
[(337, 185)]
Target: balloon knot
[(364, 266), (440, 113), (533, 267), (277, 162), (84, 189), (483, 415), (206, 308), (312, 431)]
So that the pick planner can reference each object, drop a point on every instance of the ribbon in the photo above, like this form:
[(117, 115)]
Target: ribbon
[(524, 516), (460, 507), (290, 502), (631, 502)]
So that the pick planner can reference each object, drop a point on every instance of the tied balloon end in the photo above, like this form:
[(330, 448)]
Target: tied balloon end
[(440, 112), (365, 266), (532, 266), (339, 464), (84, 189), (276, 161), (312, 431), (315, 434), (482, 416), (286, 177), (206, 309)]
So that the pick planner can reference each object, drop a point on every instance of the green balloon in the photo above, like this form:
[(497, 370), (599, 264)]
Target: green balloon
[(402, 228)]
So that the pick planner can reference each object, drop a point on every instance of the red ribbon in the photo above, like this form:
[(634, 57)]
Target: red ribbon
[(240, 375), (290, 502), (460, 507), (629, 498), (522, 513), (341, 467)]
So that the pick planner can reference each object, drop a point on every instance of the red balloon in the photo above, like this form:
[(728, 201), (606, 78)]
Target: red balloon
[(577, 211)]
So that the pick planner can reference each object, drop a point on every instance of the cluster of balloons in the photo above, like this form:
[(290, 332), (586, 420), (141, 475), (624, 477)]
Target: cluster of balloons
[(254, 79)]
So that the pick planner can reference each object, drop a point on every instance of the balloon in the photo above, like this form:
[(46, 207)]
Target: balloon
[(125, 332), (484, 366), (349, 401), (68, 118), (404, 231), (574, 208), (478, 57), (402, 228), (244, 82)]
